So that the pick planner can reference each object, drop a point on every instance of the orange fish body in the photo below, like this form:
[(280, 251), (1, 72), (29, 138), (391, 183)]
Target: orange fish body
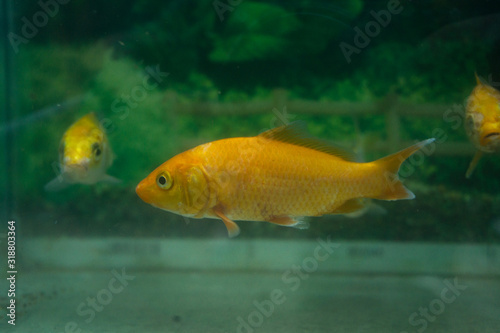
[(84, 155), (279, 176), (482, 121)]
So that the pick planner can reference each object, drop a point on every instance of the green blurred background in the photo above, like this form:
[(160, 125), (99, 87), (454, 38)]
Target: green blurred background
[(91, 55)]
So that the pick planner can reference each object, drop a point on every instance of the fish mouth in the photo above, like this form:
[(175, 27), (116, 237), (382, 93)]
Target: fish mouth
[(76, 171), (142, 190), (492, 136), (490, 142)]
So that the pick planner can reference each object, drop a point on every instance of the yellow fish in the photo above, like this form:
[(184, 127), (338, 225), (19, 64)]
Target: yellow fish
[(84, 155), (278, 176), (482, 121)]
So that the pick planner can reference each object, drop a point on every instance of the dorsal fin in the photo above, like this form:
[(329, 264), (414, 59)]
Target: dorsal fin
[(296, 134)]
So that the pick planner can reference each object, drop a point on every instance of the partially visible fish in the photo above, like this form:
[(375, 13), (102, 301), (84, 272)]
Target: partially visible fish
[(84, 155), (279, 176), (482, 121)]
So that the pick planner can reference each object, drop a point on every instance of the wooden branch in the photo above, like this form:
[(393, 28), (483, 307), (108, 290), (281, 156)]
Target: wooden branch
[(391, 107)]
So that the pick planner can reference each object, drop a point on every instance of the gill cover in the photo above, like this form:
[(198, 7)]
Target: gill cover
[(196, 193)]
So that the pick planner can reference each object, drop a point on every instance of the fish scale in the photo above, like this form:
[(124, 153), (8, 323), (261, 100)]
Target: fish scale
[(285, 186)]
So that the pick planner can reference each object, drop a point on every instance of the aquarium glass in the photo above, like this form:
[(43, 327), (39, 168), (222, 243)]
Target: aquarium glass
[(97, 95)]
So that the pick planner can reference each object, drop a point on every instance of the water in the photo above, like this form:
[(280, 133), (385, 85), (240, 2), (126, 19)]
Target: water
[(163, 77)]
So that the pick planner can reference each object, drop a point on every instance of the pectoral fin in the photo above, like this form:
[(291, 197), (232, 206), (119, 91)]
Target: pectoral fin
[(473, 163), (232, 228), (110, 179), (56, 184)]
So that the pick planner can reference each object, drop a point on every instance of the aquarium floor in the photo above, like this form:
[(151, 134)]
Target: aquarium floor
[(219, 301)]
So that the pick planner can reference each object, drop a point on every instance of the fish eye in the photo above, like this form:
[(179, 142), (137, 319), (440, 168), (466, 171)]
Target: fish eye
[(96, 149), (164, 181)]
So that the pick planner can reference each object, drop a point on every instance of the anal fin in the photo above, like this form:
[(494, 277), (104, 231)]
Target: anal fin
[(351, 206), (288, 221), (370, 208), (232, 228)]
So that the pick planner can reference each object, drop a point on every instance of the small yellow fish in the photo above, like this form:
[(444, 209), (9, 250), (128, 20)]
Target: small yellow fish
[(84, 155), (278, 176), (482, 121)]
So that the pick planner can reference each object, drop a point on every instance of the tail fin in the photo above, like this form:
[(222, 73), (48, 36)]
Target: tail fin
[(395, 190)]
